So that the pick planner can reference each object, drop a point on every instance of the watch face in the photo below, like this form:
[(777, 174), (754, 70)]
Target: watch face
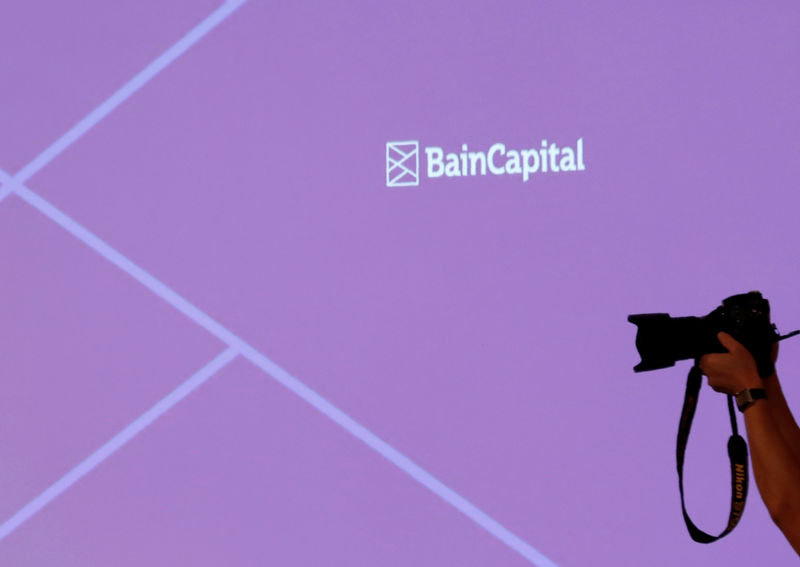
[(746, 398)]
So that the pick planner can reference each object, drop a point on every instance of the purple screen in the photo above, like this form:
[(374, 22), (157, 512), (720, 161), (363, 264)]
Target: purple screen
[(296, 283)]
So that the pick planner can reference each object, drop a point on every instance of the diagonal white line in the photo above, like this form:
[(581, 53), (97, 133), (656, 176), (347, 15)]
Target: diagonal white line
[(272, 369), (98, 245), (116, 442), (399, 459), (5, 185), (128, 89)]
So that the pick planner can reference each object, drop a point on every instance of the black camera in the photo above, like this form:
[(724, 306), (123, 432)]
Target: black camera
[(661, 339)]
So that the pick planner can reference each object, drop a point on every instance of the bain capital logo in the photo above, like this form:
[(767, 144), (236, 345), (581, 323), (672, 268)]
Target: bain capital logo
[(403, 163)]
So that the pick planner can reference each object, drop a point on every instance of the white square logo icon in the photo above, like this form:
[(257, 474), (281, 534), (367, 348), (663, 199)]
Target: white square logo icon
[(402, 164)]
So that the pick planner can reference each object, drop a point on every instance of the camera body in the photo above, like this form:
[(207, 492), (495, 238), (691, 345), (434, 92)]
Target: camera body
[(661, 340)]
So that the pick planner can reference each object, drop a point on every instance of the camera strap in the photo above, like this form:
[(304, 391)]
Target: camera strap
[(737, 453)]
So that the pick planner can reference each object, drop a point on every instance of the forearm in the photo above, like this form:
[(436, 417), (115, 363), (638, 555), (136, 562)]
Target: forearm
[(771, 429), (776, 468), (782, 414)]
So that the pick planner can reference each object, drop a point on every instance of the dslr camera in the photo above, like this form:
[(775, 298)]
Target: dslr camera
[(661, 339)]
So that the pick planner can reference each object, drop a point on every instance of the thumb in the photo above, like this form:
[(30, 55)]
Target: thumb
[(728, 341)]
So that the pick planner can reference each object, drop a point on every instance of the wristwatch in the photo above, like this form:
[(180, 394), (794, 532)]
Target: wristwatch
[(748, 397)]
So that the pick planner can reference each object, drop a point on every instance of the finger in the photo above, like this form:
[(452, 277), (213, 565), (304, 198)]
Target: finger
[(712, 359)]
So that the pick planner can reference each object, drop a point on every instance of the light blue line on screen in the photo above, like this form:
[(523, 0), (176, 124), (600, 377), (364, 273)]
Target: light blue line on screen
[(5, 185), (128, 89), (289, 381), (116, 442), (399, 459), (157, 287)]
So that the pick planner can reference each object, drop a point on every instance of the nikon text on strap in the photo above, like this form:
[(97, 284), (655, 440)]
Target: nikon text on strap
[(737, 453)]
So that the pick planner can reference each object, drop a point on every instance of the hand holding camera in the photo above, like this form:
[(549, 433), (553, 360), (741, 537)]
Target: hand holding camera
[(735, 370), (736, 346)]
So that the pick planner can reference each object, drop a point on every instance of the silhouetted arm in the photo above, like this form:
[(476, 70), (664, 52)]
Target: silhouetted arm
[(771, 430), (776, 467), (783, 415)]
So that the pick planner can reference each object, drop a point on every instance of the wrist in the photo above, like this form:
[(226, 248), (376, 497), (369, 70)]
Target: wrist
[(749, 380), (748, 397)]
